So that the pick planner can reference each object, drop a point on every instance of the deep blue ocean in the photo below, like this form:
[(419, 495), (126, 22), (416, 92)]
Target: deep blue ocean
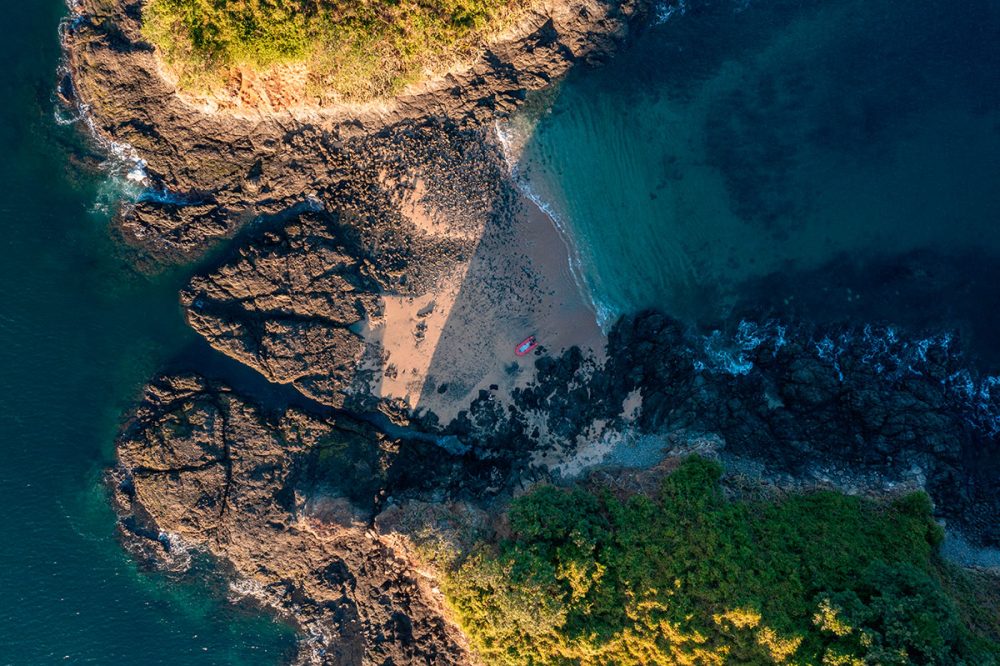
[(79, 334), (823, 160)]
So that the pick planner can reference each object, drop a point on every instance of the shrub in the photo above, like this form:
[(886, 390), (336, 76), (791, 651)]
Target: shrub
[(355, 49), (692, 578)]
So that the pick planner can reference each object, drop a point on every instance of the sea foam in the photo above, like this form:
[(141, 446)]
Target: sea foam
[(880, 350), (512, 137)]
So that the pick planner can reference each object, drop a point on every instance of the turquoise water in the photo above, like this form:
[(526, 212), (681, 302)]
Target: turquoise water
[(759, 146), (79, 334), (835, 141)]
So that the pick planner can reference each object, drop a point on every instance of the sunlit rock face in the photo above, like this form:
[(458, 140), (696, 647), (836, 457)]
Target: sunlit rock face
[(285, 501), (213, 170)]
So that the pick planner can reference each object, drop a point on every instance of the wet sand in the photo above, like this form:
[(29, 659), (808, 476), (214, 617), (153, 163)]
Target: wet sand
[(439, 350)]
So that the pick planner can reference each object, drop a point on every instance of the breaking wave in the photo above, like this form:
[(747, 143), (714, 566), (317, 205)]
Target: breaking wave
[(128, 179), (877, 351), (512, 136), (664, 11)]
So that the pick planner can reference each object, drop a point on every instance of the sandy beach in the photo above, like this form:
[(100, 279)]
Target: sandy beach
[(440, 349)]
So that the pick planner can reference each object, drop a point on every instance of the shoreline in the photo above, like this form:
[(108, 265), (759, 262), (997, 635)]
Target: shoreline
[(421, 265), (518, 282), (512, 142)]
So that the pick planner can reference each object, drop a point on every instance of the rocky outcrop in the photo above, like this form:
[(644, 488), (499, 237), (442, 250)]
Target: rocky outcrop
[(291, 300), (857, 409), (285, 307), (342, 529), (315, 514), (215, 170), (322, 516), (285, 501)]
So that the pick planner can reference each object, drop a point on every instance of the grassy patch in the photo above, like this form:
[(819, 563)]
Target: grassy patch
[(690, 577), (357, 49)]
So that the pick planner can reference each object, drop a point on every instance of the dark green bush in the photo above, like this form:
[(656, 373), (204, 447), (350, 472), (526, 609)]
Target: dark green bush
[(693, 578)]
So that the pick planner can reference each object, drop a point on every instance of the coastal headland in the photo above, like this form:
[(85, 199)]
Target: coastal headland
[(375, 265)]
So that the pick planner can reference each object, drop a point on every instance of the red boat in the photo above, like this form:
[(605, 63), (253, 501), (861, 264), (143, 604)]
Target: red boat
[(526, 346)]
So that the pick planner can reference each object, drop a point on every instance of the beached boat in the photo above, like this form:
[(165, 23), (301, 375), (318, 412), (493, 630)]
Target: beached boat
[(526, 346)]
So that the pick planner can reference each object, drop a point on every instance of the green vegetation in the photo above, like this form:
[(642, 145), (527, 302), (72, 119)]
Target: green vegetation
[(358, 49), (691, 577)]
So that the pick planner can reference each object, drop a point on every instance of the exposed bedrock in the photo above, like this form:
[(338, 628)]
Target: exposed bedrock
[(289, 301), (854, 408), (285, 306), (318, 513), (218, 169), (287, 502), (337, 526), (826, 403)]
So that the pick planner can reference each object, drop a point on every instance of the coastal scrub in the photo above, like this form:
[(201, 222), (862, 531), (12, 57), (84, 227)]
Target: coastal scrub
[(691, 577), (354, 50)]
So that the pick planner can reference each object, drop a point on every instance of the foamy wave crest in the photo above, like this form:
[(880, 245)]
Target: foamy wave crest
[(66, 112), (242, 588), (64, 116), (512, 136), (128, 179), (879, 352), (177, 553), (881, 349), (732, 354), (664, 11), (510, 142), (980, 397)]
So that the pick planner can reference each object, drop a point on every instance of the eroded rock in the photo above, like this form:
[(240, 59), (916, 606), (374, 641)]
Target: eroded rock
[(857, 409), (286, 501), (285, 307), (236, 165)]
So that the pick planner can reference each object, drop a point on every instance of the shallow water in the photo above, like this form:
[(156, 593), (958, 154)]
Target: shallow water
[(838, 159), (79, 334)]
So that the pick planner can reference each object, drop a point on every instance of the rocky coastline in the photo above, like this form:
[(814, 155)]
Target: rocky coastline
[(336, 514), (214, 171)]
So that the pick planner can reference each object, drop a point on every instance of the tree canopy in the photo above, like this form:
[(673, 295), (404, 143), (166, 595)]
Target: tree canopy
[(690, 577)]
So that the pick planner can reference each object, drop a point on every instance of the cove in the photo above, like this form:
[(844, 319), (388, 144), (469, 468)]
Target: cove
[(772, 158)]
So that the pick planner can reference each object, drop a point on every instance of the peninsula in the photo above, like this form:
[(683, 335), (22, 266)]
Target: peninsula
[(368, 458)]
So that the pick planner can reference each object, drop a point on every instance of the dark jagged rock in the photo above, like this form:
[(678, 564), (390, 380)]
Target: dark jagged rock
[(807, 402), (286, 501), (186, 227)]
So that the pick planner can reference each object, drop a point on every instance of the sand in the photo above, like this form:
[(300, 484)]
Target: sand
[(439, 350)]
